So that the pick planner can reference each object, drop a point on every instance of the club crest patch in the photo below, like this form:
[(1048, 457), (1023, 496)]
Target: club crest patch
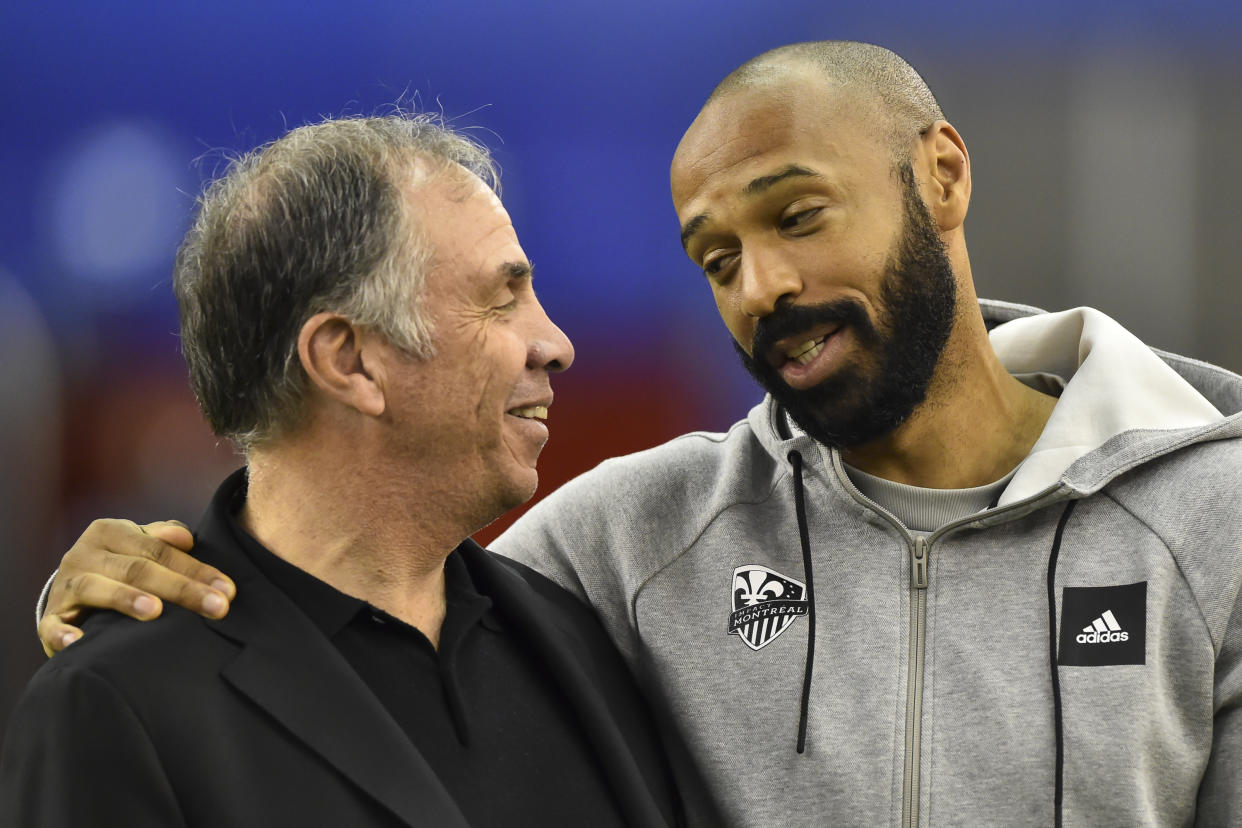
[(765, 603)]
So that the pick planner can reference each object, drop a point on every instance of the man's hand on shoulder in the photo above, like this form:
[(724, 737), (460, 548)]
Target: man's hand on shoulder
[(121, 566)]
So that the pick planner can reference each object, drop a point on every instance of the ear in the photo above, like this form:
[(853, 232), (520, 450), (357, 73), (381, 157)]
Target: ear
[(947, 186), (342, 361)]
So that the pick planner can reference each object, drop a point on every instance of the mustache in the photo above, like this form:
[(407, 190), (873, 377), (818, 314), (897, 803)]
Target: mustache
[(788, 320)]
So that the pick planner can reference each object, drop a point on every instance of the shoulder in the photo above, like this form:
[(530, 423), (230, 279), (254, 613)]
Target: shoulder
[(1191, 499), (665, 464), (1201, 479), (683, 480), (632, 515), (121, 684), (605, 533), (171, 650)]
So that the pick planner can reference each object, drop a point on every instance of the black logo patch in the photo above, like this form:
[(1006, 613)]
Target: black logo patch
[(765, 603), (1104, 625)]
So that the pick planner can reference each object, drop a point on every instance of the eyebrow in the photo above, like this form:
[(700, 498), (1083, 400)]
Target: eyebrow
[(755, 187), (692, 227), (766, 182), (516, 270)]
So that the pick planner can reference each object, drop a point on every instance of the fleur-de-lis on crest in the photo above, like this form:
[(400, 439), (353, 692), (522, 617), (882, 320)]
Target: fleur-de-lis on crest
[(754, 587)]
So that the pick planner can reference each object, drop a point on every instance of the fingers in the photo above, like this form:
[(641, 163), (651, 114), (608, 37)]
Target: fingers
[(172, 532), (119, 565), (177, 535), (93, 590), (168, 573), (116, 564), (55, 633)]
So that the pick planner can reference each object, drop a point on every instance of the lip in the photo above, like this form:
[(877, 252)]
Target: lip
[(776, 355), (529, 426), (532, 431), (533, 428), (538, 402), (823, 365)]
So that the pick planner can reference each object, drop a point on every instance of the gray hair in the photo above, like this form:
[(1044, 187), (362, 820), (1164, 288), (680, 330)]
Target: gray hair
[(314, 221)]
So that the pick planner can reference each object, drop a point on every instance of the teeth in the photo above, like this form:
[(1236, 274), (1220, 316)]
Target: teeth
[(531, 412), (807, 351)]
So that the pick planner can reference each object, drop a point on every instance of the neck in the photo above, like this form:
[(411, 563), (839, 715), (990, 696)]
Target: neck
[(334, 516), (976, 425)]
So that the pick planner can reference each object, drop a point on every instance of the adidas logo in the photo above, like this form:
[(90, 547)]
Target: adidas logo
[(1103, 630), (1103, 642)]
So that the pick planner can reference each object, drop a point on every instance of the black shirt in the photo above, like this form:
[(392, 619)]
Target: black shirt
[(481, 710)]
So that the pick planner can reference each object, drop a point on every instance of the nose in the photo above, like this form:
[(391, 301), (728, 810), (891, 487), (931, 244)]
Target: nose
[(767, 278), (548, 349)]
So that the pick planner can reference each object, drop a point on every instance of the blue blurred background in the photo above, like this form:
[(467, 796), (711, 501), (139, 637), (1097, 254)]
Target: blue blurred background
[(1103, 137)]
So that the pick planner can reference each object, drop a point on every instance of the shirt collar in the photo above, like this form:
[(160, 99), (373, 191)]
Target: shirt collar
[(330, 609)]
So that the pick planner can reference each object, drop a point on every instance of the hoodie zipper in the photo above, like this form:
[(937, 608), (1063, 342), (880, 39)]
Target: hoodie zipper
[(914, 683), (920, 547)]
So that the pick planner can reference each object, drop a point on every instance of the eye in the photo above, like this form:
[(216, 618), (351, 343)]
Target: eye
[(714, 265), (798, 220)]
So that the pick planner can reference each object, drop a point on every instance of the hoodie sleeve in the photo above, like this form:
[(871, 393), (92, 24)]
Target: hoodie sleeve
[(1220, 794), (605, 533)]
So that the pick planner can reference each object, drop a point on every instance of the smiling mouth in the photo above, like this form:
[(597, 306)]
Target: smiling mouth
[(805, 352), (530, 412)]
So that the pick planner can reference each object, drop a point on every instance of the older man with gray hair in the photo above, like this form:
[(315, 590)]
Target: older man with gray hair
[(358, 316)]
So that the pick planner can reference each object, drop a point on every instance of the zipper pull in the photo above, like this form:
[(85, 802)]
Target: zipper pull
[(918, 563)]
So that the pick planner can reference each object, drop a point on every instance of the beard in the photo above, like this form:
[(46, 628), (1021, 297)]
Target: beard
[(865, 400)]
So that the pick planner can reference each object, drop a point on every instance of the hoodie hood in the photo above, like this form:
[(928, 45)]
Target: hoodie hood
[(1110, 384)]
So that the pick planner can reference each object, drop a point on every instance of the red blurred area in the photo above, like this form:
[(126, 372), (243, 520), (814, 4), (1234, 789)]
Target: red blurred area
[(137, 447)]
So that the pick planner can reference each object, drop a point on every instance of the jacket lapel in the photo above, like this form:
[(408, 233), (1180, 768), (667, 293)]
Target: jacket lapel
[(289, 669), (563, 652)]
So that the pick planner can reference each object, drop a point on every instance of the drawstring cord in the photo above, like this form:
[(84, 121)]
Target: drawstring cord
[(1059, 792), (800, 506)]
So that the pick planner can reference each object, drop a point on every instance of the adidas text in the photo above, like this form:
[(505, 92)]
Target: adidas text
[(1095, 637)]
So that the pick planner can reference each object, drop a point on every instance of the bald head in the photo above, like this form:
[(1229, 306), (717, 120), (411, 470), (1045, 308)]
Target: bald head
[(889, 95)]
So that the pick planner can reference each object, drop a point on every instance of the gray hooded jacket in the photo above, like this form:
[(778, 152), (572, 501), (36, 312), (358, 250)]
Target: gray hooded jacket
[(1072, 654)]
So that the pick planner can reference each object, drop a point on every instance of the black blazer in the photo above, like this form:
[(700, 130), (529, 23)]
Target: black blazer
[(256, 719)]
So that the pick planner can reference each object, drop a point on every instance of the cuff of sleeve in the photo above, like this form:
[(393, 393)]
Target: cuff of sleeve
[(41, 604)]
